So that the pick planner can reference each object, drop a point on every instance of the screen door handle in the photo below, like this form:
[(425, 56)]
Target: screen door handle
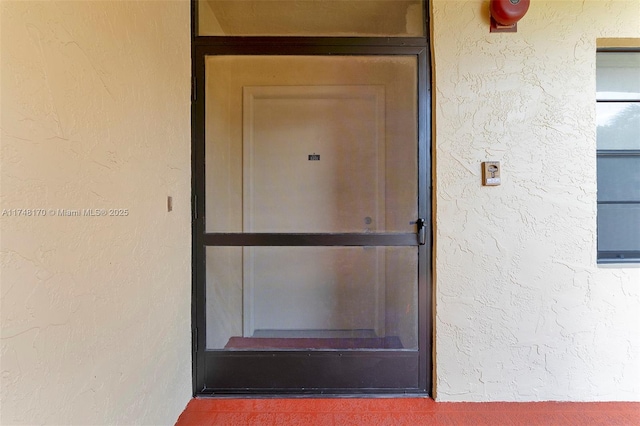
[(422, 231)]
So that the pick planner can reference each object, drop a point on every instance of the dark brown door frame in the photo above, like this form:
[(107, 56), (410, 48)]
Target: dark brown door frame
[(318, 372)]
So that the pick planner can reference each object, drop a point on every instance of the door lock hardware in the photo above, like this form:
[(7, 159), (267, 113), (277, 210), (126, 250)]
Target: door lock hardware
[(422, 231)]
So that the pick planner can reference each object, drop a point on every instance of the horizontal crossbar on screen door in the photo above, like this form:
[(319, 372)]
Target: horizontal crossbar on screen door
[(289, 240)]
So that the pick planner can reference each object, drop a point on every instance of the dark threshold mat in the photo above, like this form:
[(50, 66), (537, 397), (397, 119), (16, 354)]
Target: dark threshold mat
[(390, 342)]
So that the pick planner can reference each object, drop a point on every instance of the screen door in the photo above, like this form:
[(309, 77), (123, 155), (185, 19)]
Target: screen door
[(311, 228)]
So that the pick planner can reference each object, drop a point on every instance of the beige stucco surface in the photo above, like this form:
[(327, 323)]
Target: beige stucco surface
[(95, 311), (522, 310)]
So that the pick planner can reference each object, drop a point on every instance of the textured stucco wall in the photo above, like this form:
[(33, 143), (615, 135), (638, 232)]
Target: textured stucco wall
[(523, 312), (95, 114)]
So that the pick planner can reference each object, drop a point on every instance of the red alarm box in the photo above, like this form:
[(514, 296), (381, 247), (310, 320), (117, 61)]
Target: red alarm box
[(505, 14)]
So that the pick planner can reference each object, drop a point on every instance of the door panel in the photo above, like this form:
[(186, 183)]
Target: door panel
[(313, 162), (311, 261)]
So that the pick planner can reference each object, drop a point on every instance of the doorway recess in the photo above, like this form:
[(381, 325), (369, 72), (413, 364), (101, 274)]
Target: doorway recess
[(311, 209)]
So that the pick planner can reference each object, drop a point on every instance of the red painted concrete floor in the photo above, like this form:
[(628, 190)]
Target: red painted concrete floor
[(404, 411)]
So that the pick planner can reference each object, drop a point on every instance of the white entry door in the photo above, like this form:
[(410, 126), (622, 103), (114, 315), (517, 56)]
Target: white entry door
[(314, 160)]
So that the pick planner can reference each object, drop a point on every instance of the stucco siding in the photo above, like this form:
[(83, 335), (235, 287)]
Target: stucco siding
[(523, 312), (95, 117)]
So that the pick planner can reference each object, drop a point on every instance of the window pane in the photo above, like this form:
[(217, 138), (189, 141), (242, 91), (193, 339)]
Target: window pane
[(618, 76), (619, 178), (383, 18), (618, 227), (299, 298), (618, 125)]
